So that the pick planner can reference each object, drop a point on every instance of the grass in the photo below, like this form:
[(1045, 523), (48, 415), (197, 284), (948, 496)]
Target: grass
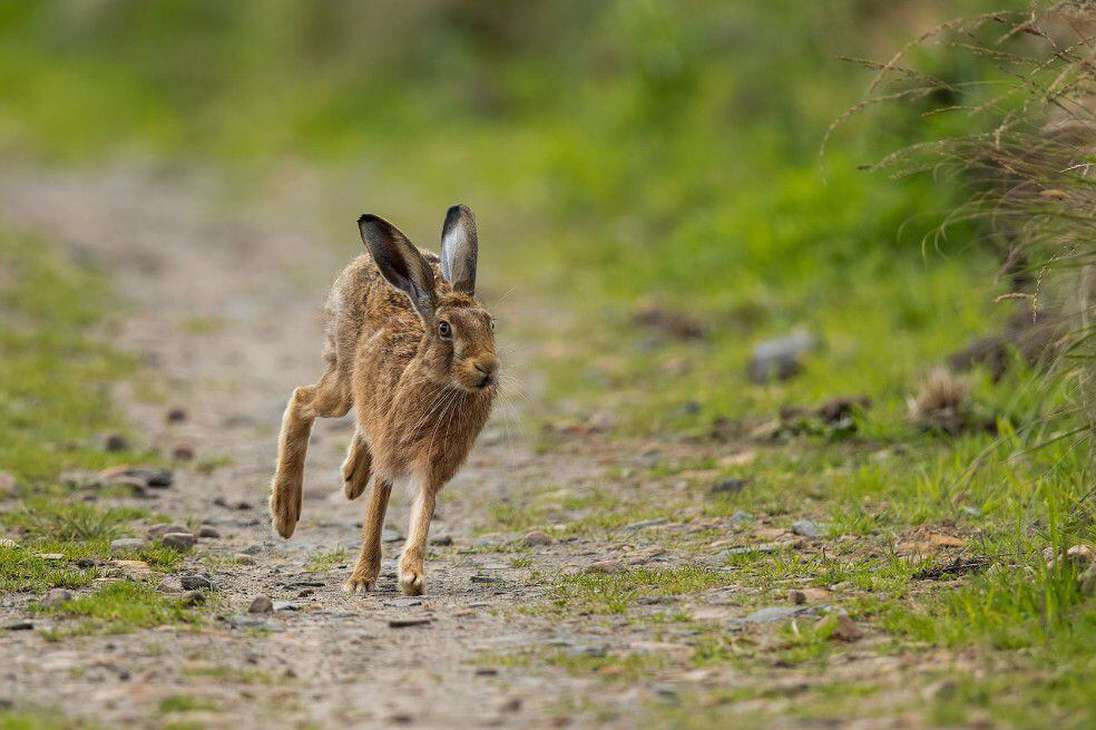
[(614, 593), (323, 562), (121, 607), (185, 703)]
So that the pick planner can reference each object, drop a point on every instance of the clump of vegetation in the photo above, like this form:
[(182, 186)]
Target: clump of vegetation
[(121, 607)]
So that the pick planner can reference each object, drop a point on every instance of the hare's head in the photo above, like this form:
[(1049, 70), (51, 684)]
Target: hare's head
[(459, 341)]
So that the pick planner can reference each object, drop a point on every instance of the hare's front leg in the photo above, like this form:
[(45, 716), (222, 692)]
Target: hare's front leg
[(328, 398), (368, 567), (412, 577)]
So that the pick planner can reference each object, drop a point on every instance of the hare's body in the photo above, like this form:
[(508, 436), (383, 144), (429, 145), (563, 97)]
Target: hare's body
[(418, 365)]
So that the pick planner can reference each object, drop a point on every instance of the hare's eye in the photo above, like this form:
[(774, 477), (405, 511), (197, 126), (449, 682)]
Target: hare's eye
[(444, 329), (491, 322)]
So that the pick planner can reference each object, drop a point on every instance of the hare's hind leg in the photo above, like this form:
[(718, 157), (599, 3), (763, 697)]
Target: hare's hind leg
[(356, 468), (368, 567), (329, 398)]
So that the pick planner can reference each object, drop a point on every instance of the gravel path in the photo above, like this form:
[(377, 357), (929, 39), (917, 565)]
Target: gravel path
[(224, 311)]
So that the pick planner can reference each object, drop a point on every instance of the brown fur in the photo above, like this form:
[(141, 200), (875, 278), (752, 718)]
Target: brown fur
[(418, 397)]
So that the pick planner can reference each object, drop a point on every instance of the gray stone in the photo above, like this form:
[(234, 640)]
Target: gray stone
[(123, 544), (252, 549), (56, 597), (537, 538), (605, 567), (762, 547), (115, 442), (780, 359), (442, 540), (806, 528), (772, 614), (728, 486), (741, 518), (158, 531), (207, 531), (286, 606), (192, 598), (643, 524), (390, 535), (179, 540), (19, 626), (261, 604), (196, 582), (244, 559)]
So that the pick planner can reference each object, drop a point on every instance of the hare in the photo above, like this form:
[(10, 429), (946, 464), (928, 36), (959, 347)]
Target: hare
[(410, 348)]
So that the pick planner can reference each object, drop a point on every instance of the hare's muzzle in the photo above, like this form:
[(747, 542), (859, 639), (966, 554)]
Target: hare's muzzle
[(487, 368)]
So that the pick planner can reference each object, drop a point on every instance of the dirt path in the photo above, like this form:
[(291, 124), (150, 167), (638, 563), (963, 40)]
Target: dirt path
[(224, 310)]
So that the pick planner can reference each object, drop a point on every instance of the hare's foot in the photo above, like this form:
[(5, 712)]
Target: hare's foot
[(356, 468), (363, 577), (285, 503), (412, 577)]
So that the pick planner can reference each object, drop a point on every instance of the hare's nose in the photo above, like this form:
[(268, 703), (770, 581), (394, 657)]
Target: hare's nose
[(487, 366)]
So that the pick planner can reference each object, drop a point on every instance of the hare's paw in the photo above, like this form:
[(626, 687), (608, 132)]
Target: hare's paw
[(356, 585), (412, 580), (363, 577), (355, 477), (285, 506)]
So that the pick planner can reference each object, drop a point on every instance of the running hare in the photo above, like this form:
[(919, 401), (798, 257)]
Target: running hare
[(410, 348)]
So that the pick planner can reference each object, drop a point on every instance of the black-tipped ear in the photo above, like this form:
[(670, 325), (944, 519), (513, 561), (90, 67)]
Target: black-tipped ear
[(459, 249), (400, 263)]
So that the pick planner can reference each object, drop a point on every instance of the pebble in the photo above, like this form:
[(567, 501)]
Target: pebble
[(115, 442), (605, 567), (170, 584), (537, 538), (192, 598), (780, 358), (183, 452), (484, 579), (51, 556), (56, 597), (179, 540), (403, 623), (176, 415), (390, 535), (806, 528), (159, 530), (796, 597), (442, 540), (843, 628), (196, 582), (253, 549), (19, 626), (771, 614), (728, 486), (286, 606), (7, 542), (741, 518), (126, 543), (261, 604), (207, 531), (244, 559), (643, 524), (511, 705)]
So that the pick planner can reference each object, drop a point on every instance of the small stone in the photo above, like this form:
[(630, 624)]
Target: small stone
[(183, 452), (132, 569), (604, 567), (728, 486), (806, 528), (7, 542), (207, 531), (741, 518), (261, 604), (442, 540), (403, 623), (196, 582), (483, 579), (176, 415), (1087, 581), (537, 538), (80, 479), (772, 614), (85, 563), (19, 626), (244, 559), (511, 705), (126, 543), (843, 627), (242, 506), (115, 442), (51, 556), (56, 597), (1080, 555), (192, 598), (486, 672), (253, 549), (7, 484), (390, 535), (796, 597), (286, 606), (178, 540), (780, 359), (170, 584), (158, 531), (644, 524)]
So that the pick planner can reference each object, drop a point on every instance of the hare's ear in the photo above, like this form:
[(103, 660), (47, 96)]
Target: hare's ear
[(459, 249), (400, 262)]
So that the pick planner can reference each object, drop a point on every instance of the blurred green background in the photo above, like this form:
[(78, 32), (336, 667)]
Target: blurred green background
[(641, 153)]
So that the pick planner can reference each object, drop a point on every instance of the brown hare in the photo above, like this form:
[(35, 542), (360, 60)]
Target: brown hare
[(410, 348)]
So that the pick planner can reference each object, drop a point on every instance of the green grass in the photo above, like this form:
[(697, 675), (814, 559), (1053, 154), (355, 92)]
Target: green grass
[(121, 607), (323, 562), (185, 703), (615, 593)]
